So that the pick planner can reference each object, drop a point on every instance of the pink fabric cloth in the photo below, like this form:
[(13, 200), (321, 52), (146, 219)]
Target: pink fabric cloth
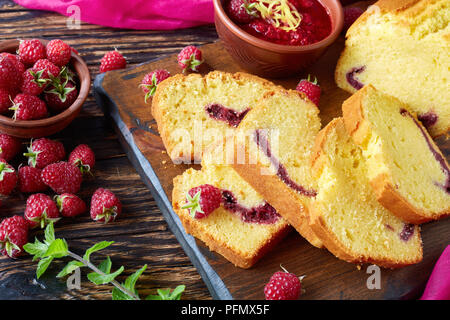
[(132, 14), (438, 286)]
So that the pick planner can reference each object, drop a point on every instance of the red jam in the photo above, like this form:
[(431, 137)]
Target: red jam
[(315, 25)]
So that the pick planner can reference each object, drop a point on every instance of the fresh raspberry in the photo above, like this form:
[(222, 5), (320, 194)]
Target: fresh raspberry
[(61, 97), (33, 83), (31, 51), (9, 146), (283, 286), (47, 69), (105, 206), (13, 236), (8, 178), (112, 60), (82, 157), (70, 205), (351, 14), (19, 65), (62, 177), (41, 210), (203, 200), (30, 180), (190, 58), (311, 89), (28, 107), (151, 81), (242, 11), (43, 152), (58, 52), (10, 77), (5, 101)]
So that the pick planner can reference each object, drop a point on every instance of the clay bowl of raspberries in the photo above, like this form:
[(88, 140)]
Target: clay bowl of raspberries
[(43, 85)]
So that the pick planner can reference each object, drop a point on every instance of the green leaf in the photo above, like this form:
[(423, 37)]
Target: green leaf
[(103, 279), (105, 265), (176, 293), (165, 294), (49, 234), (129, 284), (96, 247), (69, 268), (57, 249), (43, 265), (36, 249), (153, 297)]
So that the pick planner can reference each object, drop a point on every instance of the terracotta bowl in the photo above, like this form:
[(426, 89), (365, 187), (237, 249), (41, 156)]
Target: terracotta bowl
[(274, 60), (53, 124)]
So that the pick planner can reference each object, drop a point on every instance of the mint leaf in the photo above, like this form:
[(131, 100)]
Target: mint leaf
[(69, 268), (165, 294), (105, 265), (176, 293), (57, 249), (103, 279), (96, 247), (42, 266), (36, 249), (129, 284), (49, 234)]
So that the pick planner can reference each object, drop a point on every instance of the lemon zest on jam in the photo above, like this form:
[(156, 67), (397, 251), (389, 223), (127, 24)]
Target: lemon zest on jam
[(280, 13)]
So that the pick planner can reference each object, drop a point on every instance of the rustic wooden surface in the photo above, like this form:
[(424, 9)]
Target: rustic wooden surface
[(327, 277), (141, 234)]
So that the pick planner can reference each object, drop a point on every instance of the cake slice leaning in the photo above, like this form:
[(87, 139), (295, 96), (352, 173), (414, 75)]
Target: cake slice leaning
[(243, 228), (408, 172), (191, 111), (346, 215), (271, 151), (402, 48)]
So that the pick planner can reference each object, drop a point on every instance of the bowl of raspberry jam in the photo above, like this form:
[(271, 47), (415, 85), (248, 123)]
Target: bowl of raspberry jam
[(277, 38)]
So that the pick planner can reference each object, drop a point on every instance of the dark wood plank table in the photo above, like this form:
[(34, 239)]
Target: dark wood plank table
[(141, 234)]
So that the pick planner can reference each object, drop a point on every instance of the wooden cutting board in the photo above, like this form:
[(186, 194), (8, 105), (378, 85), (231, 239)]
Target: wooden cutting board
[(326, 276)]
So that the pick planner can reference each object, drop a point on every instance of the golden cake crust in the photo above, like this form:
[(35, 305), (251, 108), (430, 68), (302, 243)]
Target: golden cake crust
[(318, 224), (157, 110), (195, 228), (359, 128)]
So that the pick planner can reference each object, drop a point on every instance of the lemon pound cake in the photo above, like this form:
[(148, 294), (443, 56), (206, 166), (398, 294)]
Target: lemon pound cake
[(218, 207), (346, 215), (402, 48), (409, 174), (194, 111), (274, 155)]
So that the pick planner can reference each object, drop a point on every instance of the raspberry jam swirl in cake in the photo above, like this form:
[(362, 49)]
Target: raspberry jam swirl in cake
[(351, 77), (439, 158), (232, 117), (263, 214), (286, 22), (203, 200), (261, 140)]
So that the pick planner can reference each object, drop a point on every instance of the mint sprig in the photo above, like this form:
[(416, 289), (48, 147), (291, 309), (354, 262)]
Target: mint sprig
[(53, 248)]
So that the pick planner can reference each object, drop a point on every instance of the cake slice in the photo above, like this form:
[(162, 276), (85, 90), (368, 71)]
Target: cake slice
[(408, 172), (191, 111), (346, 215), (271, 150), (243, 228), (402, 48)]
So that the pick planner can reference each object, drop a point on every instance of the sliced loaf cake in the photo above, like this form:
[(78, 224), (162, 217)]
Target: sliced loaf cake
[(271, 150), (408, 172), (192, 111), (243, 228), (402, 48), (346, 215)]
